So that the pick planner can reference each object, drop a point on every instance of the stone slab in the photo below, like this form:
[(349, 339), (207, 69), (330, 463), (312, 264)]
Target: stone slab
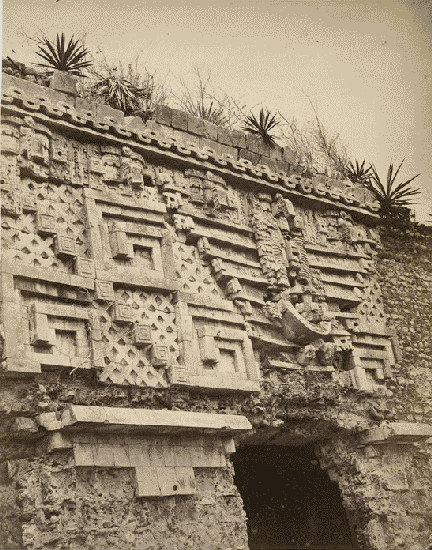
[(145, 419), (396, 432)]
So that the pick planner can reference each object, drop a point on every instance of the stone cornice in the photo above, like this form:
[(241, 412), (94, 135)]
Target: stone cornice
[(49, 108)]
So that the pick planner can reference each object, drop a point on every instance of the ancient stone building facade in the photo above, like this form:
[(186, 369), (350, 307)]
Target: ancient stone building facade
[(195, 347)]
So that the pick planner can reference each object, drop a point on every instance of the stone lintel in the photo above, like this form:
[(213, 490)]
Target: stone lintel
[(396, 432), (144, 420)]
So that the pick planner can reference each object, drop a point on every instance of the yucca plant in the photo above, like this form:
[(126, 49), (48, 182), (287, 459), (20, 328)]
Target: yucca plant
[(262, 126), (359, 173), (392, 197), (210, 112), (120, 93), (69, 58)]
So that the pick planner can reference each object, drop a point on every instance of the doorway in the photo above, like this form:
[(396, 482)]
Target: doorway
[(289, 501)]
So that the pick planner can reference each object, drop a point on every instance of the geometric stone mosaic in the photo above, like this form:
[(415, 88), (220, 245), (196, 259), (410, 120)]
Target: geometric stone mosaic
[(124, 362)]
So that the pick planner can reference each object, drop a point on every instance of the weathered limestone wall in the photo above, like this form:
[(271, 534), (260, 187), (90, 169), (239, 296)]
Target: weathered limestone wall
[(405, 272), (155, 271), (386, 489), (96, 508)]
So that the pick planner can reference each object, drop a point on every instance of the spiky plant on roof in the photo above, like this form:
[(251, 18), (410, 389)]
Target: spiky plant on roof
[(390, 196), (119, 92), (69, 58), (262, 126), (359, 173)]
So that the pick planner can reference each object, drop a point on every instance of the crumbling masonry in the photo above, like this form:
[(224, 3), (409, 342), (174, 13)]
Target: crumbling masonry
[(179, 300)]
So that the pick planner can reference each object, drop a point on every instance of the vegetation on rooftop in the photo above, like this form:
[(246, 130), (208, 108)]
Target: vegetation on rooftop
[(135, 92), (202, 99), (70, 57), (262, 126), (391, 196)]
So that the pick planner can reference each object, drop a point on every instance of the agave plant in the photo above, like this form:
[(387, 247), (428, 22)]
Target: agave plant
[(392, 197), (211, 112), (70, 58), (359, 173), (118, 92), (262, 126)]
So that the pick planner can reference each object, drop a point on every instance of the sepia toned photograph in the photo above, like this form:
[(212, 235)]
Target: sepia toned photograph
[(216, 275)]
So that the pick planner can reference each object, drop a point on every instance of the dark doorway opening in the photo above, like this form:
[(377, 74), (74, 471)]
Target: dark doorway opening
[(289, 501)]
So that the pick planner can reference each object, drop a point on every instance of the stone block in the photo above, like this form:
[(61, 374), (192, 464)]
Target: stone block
[(208, 350), (179, 375), (179, 120), (249, 155), (31, 90), (167, 479), (147, 484), (168, 452), (282, 166), (211, 456), (139, 455), (227, 150), (41, 333), (271, 164), (49, 421), (104, 291), (156, 455), (395, 479), (159, 355), (397, 432), (142, 335), (45, 225), (64, 82), (229, 445), (58, 441), (85, 107), (162, 115), (121, 456), (195, 125), (105, 111), (183, 456), (186, 484), (84, 267), (122, 313), (65, 246), (182, 138), (198, 457), (254, 144), (238, 139), (134, 123), (120, 248), (224, 136), (103, 455), (288, 156), (83, 454), (210, 130), (21, 367)]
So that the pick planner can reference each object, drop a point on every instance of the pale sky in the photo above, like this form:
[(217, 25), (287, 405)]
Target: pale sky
[(365, 64)]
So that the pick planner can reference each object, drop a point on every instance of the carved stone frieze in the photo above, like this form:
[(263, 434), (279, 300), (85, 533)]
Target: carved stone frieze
[(118, 220), (270, 242)]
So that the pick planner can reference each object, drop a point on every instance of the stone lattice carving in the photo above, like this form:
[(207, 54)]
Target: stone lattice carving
[(137, 340), (194, 275), (51, 213)]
